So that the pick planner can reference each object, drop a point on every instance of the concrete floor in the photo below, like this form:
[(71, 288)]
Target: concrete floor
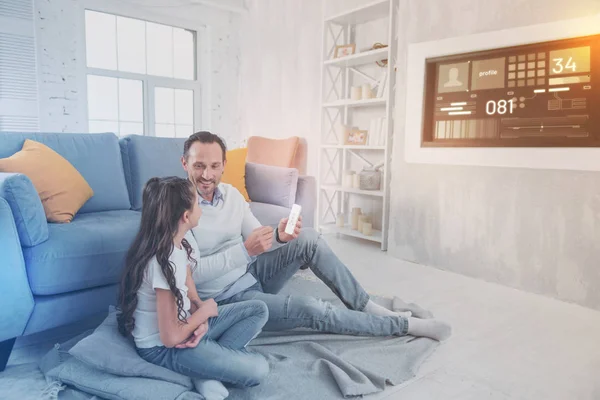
[(506, 344)]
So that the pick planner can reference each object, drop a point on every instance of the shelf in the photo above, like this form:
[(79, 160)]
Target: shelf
[(370, 12), (336, 154), (351, 147), (365, 57), (379, 101), (374, 193), (347, 230)]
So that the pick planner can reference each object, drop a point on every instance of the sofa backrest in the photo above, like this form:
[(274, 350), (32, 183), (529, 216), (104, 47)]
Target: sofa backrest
[(97, 157), (145, 157)]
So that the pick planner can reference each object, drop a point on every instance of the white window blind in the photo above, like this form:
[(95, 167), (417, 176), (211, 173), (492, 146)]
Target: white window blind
[(18, 73)]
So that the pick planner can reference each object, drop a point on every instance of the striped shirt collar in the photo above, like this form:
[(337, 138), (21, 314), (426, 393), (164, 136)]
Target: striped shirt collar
[(217, 197)]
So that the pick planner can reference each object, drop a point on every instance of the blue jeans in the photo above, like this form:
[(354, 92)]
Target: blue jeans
[(221, 354), (272, 270)]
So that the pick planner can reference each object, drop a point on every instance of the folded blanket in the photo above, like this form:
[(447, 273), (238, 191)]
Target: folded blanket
[(304, 364)]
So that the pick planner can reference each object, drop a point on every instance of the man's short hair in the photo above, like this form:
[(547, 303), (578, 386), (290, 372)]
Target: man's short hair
[(203, 137)]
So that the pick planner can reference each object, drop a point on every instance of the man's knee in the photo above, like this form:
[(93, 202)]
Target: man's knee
[(309, 235), (308, 241), (309, 238)]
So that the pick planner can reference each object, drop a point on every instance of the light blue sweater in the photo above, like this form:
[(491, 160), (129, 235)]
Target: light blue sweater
[(220, 235)]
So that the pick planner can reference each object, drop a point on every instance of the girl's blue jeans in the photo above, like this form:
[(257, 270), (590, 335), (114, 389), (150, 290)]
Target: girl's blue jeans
[(221, 354)]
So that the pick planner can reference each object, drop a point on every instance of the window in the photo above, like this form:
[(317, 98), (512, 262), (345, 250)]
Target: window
[(141, 77), (536, 95)]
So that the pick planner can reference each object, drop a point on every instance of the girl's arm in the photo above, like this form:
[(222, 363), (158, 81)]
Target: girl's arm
[(172, 331)]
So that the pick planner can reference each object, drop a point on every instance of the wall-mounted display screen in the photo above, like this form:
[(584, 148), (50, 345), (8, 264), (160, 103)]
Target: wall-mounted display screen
[(542, 94)]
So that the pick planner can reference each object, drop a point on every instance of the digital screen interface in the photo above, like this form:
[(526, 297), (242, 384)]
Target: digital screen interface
[(539, 90)]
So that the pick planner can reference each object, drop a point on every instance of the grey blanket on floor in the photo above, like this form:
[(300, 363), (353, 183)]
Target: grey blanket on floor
[(304, 364)]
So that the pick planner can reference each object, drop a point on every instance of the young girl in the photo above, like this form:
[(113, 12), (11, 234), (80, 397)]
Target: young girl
[(159, 304)]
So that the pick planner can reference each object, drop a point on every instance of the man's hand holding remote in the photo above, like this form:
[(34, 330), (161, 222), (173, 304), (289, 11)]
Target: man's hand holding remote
[(286, 237)]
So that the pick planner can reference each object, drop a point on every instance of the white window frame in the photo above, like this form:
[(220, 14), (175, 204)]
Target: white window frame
[(149, 82)]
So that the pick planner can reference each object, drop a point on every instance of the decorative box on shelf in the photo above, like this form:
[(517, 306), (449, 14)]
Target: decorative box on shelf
[(370, 179)]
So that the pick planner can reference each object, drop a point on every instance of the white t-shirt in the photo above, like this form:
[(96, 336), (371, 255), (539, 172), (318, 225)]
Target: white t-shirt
[(145, 331)]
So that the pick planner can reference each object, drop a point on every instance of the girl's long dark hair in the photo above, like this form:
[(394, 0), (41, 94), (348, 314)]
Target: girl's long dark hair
[(164, 201)]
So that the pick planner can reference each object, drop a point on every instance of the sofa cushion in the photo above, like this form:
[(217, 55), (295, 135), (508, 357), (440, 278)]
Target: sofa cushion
[(88, 252), (273, 185), (61, 188), (68, 308), (235, 170), (269, 214), (26, 206), (96, 156), (145, 157)]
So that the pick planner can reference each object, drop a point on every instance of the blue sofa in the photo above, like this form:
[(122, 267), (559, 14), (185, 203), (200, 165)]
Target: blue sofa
[(56, 274)]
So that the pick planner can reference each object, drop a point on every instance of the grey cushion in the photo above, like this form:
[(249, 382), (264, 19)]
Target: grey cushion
[(273, 185), (268, 214), (108, 386), (108, 351)]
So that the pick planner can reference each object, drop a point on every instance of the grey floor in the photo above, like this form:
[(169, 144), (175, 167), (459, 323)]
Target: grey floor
[(507, 344)]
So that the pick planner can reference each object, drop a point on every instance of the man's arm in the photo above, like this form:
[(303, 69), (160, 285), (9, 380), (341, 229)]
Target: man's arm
[(218, 264), (251, 223)]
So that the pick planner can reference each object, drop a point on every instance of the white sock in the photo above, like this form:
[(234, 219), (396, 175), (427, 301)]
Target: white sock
[(211, 389), (375, 309), (431, 328)]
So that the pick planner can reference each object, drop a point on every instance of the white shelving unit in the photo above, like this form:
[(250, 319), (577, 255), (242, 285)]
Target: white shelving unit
[(337, 77)]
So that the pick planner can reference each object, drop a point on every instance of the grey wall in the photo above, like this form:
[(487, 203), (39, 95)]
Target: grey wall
[(536, 230)]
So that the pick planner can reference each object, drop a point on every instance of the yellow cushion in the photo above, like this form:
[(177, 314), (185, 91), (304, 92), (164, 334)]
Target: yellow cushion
[(235, 170), (61, 187)]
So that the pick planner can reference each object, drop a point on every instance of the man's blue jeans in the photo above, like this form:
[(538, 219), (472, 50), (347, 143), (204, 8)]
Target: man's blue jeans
[(221, 354), (272, 270)]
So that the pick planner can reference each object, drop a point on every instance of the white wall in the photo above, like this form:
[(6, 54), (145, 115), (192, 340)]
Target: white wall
[(59, 27), (280, 71)]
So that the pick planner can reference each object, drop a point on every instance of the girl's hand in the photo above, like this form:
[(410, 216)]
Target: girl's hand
[(193, 340)]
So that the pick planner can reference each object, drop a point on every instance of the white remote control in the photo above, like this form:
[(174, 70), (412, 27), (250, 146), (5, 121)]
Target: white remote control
[(293, 219)]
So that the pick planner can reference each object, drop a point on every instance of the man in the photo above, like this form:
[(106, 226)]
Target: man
[(242, 260)]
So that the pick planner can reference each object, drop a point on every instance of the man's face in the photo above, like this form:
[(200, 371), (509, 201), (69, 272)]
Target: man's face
[(205, 166)]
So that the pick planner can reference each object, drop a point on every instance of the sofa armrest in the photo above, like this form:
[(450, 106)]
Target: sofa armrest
[(15, 295), (306, 196), (272, 185), (26, 207)]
